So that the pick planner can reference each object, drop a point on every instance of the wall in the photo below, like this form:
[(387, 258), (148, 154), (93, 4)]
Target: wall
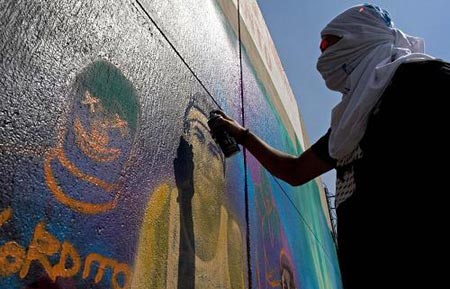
[(109, 177)]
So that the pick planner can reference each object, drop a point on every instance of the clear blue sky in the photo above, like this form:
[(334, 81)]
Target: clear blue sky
[(295, 27)]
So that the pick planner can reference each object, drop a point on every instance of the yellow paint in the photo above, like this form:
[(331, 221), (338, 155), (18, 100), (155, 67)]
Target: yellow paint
[(12, 256), (219, 247), (156, 262), (5, 215), (236, 257), (150, 260)]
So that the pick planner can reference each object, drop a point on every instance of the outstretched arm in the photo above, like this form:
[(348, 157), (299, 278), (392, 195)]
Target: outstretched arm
[(291, 169)]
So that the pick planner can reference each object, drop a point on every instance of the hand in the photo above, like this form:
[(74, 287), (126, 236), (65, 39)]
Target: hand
[(232, 127)]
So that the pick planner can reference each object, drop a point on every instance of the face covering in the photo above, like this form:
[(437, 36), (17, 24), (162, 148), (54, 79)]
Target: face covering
[(360, 66)]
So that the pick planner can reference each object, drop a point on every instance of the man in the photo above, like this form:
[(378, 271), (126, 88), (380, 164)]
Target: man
[(391, 95)]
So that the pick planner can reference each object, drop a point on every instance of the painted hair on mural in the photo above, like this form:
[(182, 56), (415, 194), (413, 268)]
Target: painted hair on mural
[(116, 93)]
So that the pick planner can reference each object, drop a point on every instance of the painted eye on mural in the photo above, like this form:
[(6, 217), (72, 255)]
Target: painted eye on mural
[(199, 134)]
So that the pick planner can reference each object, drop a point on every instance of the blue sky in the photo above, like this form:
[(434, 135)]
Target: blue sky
[(295, 27)]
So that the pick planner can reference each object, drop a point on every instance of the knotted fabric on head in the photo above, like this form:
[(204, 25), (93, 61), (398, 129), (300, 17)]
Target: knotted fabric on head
[(361, 65)]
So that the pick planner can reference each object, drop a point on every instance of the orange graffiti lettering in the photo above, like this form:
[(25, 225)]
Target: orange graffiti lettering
[(15, 259), (43, 245), (5, 216), (82, 207), (60, 269), (124, 269), (270, 279), (11, 258), (104, 262)]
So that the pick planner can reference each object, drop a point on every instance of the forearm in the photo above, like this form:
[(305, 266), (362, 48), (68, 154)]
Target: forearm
[(291, 169)]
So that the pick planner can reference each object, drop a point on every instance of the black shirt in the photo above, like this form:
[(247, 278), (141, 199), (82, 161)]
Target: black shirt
[(397, 217)]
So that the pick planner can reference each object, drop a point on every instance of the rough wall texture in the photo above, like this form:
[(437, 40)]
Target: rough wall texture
[(108, 175)]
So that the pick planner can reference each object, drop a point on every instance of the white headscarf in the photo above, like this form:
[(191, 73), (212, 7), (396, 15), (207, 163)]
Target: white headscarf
[(361, 65)]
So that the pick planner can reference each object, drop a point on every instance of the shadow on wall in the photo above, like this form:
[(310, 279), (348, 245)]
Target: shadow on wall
[(184, 177)]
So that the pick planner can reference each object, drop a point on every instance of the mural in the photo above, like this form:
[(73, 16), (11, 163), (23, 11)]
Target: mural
[(291, 243), (109, 177), (273, 261), (97, 144), (199, 244), (81, 175)]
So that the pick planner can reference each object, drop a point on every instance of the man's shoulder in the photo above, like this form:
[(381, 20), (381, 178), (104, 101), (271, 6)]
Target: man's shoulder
[(418, 77), (423, 69)]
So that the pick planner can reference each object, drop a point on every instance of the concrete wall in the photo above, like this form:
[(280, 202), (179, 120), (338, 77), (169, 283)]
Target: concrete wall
[(109, 177)]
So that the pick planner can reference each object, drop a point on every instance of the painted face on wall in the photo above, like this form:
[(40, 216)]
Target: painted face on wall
[(209, 182), (85, 171)]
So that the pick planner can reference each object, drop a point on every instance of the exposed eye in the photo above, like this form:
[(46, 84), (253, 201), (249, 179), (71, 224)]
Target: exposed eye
[(327, 41)]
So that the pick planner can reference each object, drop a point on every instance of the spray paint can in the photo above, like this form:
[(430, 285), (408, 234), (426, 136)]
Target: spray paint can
[(227, 143)]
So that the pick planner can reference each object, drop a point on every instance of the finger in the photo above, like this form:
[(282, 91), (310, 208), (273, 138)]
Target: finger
[(222, 114), (219, 112)]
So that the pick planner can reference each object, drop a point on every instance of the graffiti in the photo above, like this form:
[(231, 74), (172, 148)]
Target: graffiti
[(199, 244), (16, 259), (82, 172), (11, 258), (287, 275), (5, 215), (119, 270), (109, 176), (273, 268), (102, 127)]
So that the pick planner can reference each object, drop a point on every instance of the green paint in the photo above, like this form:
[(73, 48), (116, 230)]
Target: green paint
[(117, 94)]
